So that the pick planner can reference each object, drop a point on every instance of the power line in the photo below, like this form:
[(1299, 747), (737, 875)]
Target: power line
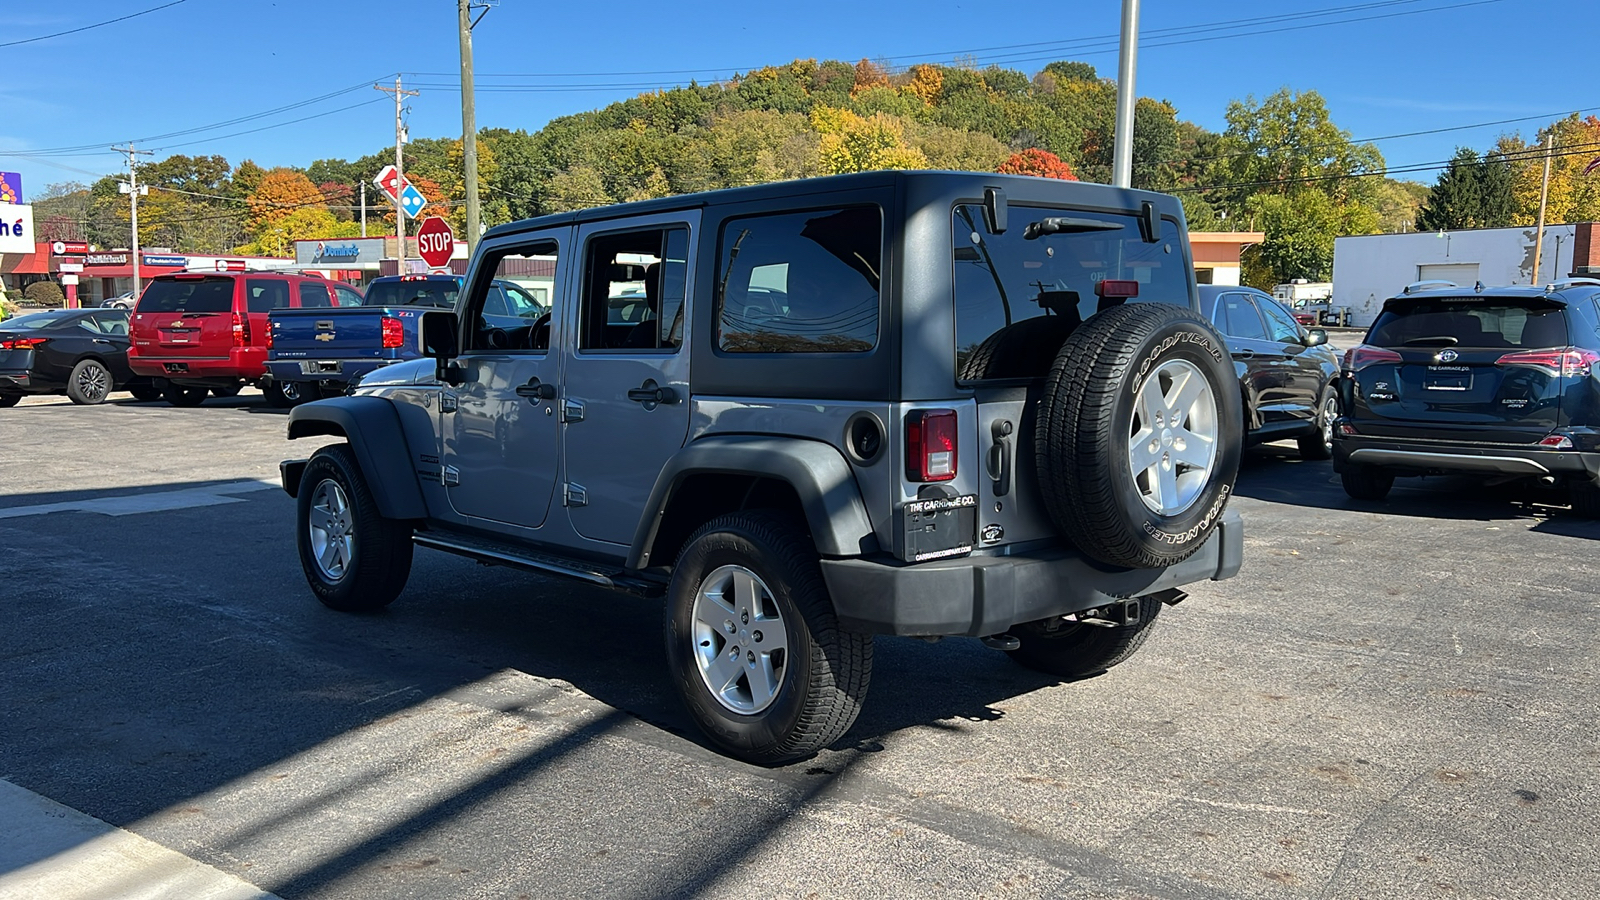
[(46, 37)]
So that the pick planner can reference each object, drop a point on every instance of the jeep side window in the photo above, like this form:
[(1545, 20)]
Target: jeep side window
[(497, 317), (633, 291), (804, 282)]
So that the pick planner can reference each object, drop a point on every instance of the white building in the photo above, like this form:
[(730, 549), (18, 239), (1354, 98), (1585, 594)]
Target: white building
[(1369, 269)]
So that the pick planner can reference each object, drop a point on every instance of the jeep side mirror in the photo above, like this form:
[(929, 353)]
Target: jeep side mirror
[(441, 341), (1316, 337)]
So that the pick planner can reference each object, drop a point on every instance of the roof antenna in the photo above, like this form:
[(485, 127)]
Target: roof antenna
[(1478, 287)]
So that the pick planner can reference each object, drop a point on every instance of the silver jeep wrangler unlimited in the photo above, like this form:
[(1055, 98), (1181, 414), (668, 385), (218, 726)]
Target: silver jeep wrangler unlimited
[(805, 413)]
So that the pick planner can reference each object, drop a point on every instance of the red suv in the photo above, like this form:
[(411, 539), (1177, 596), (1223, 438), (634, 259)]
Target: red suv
[(200, 332)]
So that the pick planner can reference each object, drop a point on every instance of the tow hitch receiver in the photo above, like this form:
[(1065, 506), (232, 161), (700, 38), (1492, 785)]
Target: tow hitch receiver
[(1113, 615)]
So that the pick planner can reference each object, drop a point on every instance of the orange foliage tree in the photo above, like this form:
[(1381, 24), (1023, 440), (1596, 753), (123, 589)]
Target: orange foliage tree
[(281, 192), (1041, 163)]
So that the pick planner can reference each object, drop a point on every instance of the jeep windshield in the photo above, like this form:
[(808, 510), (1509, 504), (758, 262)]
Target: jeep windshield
[(1019, 294), (433, 293)]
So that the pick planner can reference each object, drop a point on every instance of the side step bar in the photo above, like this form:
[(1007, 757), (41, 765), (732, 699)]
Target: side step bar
[(495, 553)]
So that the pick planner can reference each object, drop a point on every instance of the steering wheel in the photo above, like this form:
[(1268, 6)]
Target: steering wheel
[(539, 333), (496, 339)]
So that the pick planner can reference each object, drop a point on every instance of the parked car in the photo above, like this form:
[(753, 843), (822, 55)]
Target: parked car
[(912, 403), (1495, 381), (206, 332), (80, 353), (1288, 377), (322, 353), (124, 300)]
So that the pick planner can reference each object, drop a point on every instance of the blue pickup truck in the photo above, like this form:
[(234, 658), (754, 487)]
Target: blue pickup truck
[(324, 352)]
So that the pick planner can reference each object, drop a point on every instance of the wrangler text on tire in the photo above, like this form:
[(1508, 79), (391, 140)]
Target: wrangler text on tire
[(753, 645)]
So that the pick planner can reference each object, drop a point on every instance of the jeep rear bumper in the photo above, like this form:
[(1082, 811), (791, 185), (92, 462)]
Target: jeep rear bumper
[(983, 594)]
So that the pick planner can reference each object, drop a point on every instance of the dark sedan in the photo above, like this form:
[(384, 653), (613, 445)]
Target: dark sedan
[(81, 353), (1287, 375)]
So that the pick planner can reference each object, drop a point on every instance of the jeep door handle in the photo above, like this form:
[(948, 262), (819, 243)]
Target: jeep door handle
[(652, 393), (536, 391), (1244, 354)]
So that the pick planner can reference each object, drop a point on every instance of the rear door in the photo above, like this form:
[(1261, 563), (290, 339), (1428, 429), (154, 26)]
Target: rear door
[(1478, 368), (185, 316), (262, 295), (1303, 369), (1268, 378)]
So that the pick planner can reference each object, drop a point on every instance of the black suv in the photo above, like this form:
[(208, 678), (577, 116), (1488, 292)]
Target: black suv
[(1287, 375), (1498, 381)]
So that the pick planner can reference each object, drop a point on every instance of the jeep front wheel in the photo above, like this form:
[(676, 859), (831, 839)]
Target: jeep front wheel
[(1138, 437), (355, 559), (753, 645)]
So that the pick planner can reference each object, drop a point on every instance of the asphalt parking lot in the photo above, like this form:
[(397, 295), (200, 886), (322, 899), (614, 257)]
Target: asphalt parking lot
[(1390, 700)]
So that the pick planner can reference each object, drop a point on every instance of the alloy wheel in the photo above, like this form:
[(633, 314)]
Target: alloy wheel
[(741, 646), (332, 530), (1172, 445), (94, 383)]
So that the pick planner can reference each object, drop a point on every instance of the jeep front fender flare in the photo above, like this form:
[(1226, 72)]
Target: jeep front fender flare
[(817, 471), (372, 427)]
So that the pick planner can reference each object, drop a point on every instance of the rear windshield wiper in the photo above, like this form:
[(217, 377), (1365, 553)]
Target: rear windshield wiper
[(1066, 225), (1444, 339)]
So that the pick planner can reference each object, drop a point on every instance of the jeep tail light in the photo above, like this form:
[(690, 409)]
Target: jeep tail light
[(931, 445), (1563, 363), (1558, 441), (21, 343), (1358, 358), (394, 333), (241, 331)]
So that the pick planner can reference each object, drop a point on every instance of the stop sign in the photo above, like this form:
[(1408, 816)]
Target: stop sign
[(435, 242)]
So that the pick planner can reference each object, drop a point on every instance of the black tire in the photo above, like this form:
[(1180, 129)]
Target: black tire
[(183, 395), (284, 394), (1075, 650), (9, 400), (825, 669), (378, 562), (1586, 499), (1319, 444), (144, 391), (1366, 482), (226, 391), (1020, 350), (1085, 429), (90, 382)]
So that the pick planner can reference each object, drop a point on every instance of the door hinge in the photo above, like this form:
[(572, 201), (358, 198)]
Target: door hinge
[(450, 476), (572, 410), (447, 402), (574, 495)]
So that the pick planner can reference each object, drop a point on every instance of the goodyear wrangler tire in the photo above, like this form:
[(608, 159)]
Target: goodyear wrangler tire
[(1138, 436)]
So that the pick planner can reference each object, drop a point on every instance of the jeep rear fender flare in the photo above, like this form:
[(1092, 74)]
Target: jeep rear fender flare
[(372, 426), (818, 473)]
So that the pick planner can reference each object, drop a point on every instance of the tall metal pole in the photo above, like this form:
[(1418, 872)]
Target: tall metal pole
[(469, 126), (399, 138), (1544, 196), (1122, 145), (363, 209)]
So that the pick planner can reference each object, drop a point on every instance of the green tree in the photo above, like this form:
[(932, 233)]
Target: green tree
[(1470, 193)]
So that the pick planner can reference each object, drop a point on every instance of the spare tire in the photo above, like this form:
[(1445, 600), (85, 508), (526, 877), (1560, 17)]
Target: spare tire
[(1138, 435)]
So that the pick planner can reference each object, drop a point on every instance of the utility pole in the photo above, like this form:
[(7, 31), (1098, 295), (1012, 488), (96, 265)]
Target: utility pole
[(399, 138), (1544, 196), (1122, 141), (133, 189), (469, 121), (363, 209)]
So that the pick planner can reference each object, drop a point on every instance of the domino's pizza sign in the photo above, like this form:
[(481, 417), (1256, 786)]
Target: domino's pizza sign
[(16, 228)]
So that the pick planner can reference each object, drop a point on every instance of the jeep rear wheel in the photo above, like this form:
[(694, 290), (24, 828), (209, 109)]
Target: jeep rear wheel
[(355, 559), (1138, 438), (753, 645), (1363, 482), (1077, 649), (181, 395)]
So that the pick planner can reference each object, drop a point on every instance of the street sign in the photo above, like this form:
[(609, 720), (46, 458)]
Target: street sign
[(435, 243), (69, 279), (72, 248), (71, 267), (411, 200), (391, 182)]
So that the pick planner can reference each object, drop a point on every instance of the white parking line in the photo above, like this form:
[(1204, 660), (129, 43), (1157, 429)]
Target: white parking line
[(155, 501), (50, 850)]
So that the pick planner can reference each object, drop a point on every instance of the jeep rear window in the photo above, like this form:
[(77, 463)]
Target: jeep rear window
[(1017, 298), (440, 294), (188, 295), (1487, 322), (800, 282)]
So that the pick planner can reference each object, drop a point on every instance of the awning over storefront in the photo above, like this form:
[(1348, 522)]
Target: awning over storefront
[(35, 263)]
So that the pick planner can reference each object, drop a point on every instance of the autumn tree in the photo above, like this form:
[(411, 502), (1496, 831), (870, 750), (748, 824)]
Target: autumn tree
[(281, 192), (850, 143), (1041, 163)]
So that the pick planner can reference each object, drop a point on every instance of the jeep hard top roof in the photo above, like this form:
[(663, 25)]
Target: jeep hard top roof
[(1018, 188)]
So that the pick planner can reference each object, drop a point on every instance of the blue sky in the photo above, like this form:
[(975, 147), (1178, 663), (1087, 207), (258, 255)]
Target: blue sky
[(200, 63)]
